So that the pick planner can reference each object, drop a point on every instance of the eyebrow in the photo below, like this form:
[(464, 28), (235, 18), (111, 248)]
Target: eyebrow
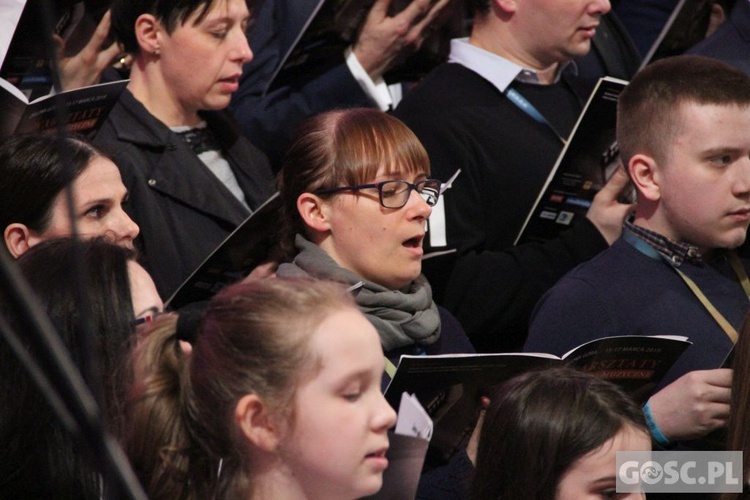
[(399, 176), (97, 201), (604, 480), (354, 376), (720, 151), (228, 20)]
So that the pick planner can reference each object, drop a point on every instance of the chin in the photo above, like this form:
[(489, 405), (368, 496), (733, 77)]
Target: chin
[(370, 486), (217, 104), (735, 240)]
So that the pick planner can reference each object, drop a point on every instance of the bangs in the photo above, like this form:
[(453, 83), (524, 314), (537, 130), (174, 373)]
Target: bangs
[(390, 148)]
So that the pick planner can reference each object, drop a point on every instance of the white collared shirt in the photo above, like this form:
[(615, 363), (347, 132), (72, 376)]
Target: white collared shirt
[(496, 69)]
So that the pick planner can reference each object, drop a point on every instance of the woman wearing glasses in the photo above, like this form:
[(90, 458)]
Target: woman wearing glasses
[(357, 195)]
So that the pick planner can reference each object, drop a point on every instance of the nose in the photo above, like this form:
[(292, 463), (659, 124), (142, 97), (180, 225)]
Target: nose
[(243, 53), (417, 206), (600, 7), (124, 228), (385, 417), (741, 186)]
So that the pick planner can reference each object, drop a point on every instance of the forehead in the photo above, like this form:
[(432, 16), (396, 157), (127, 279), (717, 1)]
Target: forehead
[(345, 342), (219, 9), (714, 124), (100, 178), (400, 170)]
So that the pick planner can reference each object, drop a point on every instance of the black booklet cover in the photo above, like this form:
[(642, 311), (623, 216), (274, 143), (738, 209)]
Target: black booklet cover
[(587, 161), (450, 386), (249, 245), (83, 109)]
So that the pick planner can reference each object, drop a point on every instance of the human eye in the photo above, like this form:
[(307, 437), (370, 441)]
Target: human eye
[(392, 188), (219, 29), (352, 394), (722, 160), (609, 493), (96, 211)]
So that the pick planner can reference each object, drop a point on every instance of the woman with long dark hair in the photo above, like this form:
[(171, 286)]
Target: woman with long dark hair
[(39, 458)]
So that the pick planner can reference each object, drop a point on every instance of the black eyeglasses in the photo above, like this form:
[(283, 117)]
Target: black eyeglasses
[(147, 318), (395, 194)]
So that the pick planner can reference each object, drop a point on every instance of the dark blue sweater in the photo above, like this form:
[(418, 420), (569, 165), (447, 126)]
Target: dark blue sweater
[(624, 292)]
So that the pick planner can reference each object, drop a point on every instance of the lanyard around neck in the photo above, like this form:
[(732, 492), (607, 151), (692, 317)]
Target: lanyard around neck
[(734, 261), (524, 105)]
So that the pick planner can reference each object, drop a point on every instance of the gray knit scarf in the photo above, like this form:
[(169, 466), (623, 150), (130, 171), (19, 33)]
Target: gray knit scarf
[(401, 318)]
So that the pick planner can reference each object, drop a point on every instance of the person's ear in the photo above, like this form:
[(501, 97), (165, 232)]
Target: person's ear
[(257, 422), (314, 212), (644, 172), (18, 239), (505, 7), (716, 19), (148, 33)]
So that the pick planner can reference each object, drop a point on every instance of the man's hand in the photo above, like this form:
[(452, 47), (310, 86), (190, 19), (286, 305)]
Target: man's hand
[(606, 213), (693, 405), (85, 68), (384, 41)]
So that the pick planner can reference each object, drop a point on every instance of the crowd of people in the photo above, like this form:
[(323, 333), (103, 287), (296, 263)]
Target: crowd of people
[(273, 388)]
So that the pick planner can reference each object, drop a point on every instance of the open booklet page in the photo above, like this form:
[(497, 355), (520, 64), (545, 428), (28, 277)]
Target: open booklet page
[(450, 386)]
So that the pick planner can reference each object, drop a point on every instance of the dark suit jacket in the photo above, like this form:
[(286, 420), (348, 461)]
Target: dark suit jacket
[(270, 120), (731, 41), (182, 208)]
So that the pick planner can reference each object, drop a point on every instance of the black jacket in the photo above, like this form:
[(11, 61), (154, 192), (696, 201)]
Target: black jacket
[(182, 208)]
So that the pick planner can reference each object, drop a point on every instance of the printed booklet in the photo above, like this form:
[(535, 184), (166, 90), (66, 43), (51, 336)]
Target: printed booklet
[(249, 245), (587, 161), (83, 109), (450, 386)]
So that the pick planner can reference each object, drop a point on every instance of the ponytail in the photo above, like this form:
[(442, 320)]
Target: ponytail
[(156, 438)]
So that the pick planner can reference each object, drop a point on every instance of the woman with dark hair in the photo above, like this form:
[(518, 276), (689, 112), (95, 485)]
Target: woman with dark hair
[(39, 459), (34, 172), (192, 176), (279, 398), (553, 435)]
